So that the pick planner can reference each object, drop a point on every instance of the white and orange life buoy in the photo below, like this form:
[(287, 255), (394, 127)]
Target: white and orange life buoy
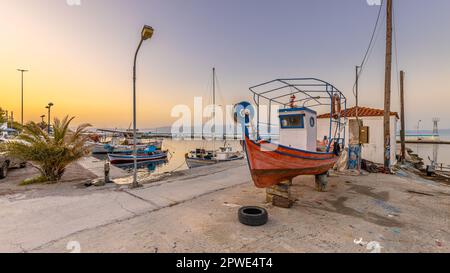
[(336, 106)]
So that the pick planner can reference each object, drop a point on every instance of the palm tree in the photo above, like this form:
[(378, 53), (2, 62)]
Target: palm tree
[(50, 154)]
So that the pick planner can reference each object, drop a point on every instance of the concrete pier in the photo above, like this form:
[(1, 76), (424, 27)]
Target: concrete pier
[(97, 167), (196, 211)]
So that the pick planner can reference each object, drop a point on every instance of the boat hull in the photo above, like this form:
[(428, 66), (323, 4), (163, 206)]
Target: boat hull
[(196, 162), (99, 148), (122, 159), (271, 164)]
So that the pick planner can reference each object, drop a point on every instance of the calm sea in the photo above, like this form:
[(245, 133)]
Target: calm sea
[(426, 150), (177, 151)]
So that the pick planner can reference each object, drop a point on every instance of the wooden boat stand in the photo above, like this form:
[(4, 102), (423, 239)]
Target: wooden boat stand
[(280, 195)]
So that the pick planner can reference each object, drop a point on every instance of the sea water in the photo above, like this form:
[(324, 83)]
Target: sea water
[(176, 157), (425, 151)]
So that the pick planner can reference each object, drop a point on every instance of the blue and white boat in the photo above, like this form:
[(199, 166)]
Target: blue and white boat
[(149, 154)]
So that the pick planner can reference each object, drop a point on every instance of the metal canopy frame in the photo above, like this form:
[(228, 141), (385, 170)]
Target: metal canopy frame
[(310, 92)]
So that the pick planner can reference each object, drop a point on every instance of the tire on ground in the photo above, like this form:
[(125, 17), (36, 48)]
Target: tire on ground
[(253, 216)]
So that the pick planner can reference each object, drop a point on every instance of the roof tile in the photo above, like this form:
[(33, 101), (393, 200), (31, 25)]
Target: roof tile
[(362, 112)]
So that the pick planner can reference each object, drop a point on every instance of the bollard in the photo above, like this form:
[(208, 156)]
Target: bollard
[(107, 171)]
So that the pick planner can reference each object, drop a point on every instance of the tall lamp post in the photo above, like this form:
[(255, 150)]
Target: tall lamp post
[(147, 33), (49, 107), (22, 71), (42, 119)]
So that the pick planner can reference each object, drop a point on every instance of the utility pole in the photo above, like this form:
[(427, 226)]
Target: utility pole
[(387, 88), (402, 105), (357, 90), (357, 117), (22, 71)]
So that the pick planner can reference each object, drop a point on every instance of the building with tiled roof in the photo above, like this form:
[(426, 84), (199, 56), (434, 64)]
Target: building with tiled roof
[(374, 119), (362, 112)]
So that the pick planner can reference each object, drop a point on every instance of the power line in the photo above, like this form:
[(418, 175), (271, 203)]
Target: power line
[(371, 44)]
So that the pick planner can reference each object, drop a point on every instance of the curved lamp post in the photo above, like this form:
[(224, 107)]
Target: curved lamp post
[(49, 107), (147, 33)]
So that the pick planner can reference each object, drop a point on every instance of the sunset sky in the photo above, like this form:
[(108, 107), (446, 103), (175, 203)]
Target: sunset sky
[(80, 57)]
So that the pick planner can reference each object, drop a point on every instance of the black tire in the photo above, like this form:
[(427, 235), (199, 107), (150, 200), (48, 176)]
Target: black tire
[(23, 165), (253, 216), (3, 171)]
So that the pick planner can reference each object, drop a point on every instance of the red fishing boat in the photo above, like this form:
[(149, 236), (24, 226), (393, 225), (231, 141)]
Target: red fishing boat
[(271, 164), (297, 152)]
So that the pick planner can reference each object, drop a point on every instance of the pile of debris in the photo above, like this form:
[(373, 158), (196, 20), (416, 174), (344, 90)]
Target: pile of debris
[(414, 159)]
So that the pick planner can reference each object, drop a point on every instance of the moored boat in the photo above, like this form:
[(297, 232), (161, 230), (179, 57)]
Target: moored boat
[(202, 157), (141, 157), (105, 148)]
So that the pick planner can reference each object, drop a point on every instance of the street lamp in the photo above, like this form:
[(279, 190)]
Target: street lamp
[(418, 135), (147, 33), (49, 107), (42, 119), (418, 129), (22, 71)]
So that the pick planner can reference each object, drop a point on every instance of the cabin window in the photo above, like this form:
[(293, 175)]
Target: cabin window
[(292, 121)]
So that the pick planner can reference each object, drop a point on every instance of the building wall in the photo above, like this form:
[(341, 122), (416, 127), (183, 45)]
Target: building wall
[(374, 151)]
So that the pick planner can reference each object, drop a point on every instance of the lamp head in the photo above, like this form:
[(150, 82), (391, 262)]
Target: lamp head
[(147, 32)]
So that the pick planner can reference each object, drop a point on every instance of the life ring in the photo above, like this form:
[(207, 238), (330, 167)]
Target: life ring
[(336, 109)]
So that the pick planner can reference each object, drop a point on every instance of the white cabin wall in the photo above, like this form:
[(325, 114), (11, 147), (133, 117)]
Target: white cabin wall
[(374, 151), (301, 138)]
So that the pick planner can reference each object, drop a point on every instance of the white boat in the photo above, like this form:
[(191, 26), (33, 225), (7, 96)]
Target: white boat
[(201, 157)]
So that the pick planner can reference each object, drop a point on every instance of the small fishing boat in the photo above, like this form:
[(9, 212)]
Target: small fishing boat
[(118, 142), (141, 157), (105, 148), (202, 157), (297, 152)]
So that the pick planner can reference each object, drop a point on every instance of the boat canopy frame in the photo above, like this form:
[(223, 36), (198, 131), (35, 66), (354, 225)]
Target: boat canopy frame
[(310, 92)]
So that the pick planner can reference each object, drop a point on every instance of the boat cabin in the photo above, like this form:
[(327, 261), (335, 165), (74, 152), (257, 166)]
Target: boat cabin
[(298, 128)]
